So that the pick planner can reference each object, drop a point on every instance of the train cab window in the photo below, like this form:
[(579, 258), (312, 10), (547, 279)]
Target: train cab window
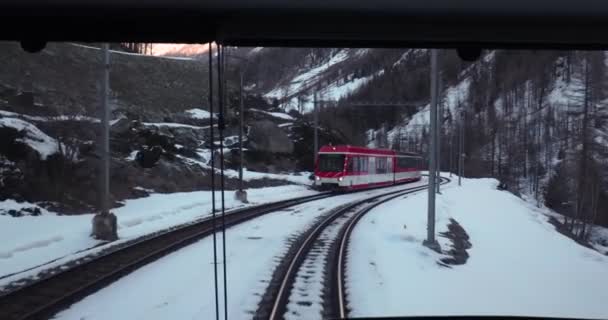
[(331, 162)]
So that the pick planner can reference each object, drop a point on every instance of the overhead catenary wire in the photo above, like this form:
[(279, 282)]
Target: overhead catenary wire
[(210, 94)]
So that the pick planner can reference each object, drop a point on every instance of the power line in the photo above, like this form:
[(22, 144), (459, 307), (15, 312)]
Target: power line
[(213, 217)]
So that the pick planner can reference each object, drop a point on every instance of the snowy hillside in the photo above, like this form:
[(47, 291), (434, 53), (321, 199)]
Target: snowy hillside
[(332, 75)]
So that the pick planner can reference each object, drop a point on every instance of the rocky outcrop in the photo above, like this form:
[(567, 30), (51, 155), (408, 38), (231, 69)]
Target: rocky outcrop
[(266, 136), (147, 158)]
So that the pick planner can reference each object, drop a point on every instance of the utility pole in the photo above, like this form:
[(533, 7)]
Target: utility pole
[(241, 102), (104, 223), (241, 194), (451, 164), (461, 149), (105, 136), (316, 128), (430, 241), (438, 134)]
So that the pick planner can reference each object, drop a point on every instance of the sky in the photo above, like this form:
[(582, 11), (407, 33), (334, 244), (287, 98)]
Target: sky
[(181, 49)]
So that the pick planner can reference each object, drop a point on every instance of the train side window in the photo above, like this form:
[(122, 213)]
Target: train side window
[(350, 165), (381, 165)]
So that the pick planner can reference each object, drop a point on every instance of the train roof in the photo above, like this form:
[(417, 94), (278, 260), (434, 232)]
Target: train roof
[(411, 154), (355, 149), (364, 150)]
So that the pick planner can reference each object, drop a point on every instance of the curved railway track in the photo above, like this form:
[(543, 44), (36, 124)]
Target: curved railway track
[(56, 290), (43, 298), (336, 228)]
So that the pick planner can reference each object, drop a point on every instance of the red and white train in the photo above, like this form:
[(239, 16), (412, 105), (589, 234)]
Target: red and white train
[(349, 167)]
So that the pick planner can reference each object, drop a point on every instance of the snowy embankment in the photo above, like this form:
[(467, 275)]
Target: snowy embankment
[(519, 264), (297, 177), (278, 115), (200, 114), (49, 240), (181, 285)]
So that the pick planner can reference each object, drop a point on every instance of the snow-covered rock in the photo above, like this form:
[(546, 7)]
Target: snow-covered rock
[(31, 136)]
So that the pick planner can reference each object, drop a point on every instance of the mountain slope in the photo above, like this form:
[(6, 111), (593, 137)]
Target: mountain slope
[(535, 120)]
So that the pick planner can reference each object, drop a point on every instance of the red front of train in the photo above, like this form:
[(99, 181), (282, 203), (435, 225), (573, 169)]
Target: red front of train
[(350, 167)]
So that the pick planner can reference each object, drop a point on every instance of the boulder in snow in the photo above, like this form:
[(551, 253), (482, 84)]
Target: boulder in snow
[(265, 135), (148, 158)]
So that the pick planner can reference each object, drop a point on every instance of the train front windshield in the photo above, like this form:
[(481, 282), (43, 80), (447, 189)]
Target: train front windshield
[(331, 162)]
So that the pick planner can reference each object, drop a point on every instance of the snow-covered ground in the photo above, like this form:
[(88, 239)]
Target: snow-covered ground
[(519, 265), (197, 113), (297, 177), (279, 115), (48, 240), (48, 118), (181, 285), (173, 125)]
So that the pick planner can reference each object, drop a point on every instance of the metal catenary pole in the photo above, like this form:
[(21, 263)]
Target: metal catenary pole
[(316, 128), (430, 240), (461, 149), (105, 152), (241, 194), (451, 164), (439, 127), (241, 133)]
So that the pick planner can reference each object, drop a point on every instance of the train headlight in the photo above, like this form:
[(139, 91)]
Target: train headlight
[(317, 178), (341, 178)]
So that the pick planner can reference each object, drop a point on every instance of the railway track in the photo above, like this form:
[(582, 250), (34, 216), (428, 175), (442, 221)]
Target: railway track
[(56, 290), (44, 298), (295, 281)]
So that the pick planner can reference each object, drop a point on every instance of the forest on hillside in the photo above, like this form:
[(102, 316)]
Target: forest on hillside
[(536, 120)]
